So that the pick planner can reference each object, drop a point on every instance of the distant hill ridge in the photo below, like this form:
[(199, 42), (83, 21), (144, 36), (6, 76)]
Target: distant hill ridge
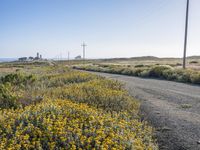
[(145, 58), (193, 57), (151, 58), (108, 59)]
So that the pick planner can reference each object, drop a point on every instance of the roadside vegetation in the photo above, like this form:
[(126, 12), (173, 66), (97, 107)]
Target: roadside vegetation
[(53, 107), (165, 72)]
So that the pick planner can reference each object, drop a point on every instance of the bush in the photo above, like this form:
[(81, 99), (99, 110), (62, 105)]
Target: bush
[(144, 73), (7, 97), (98, 93), (195, 78), (13, 88), (69, 78), (170, 74), (116, 70), (158, 71), (183, 76), (139, 66), (193, 62), (137, 72), (127, 71), (67, 125), (18, 79), (163, 72), (178, 64), (69, 110)]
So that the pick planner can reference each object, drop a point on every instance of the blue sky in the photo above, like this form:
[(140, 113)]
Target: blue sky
[(110, 28)]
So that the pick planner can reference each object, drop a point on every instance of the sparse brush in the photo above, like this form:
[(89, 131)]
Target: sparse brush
[(139, 66), (194, 62), (58, 108), (58, 124), (157, 71)]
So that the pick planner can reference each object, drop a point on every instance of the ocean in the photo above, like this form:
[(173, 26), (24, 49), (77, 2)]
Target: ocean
[(7, 59)]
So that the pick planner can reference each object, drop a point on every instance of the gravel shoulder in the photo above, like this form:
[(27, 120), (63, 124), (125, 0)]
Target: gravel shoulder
[(172, 108)]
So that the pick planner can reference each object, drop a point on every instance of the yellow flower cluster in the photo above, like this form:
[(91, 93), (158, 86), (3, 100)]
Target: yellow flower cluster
[(66, 125), (59, 80), (65, 109), (97, 93)]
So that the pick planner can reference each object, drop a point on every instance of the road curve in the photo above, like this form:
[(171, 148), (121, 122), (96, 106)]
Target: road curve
[(172, 108)]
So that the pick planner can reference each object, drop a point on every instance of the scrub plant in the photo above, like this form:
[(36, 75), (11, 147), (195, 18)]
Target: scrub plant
[(53, 107)]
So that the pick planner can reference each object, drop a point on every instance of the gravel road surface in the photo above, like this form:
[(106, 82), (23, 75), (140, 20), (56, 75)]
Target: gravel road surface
[(172, 108)]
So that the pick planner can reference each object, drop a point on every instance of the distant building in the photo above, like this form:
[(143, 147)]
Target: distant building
[(22, 59), (30, 58), (78, 57), (38, 57)]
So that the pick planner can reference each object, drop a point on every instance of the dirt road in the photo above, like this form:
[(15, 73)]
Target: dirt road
[(173, 108)]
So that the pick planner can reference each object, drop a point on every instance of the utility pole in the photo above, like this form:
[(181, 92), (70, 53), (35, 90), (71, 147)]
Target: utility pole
[(83, 45), (60, 56), (186, 34), (68, 58)]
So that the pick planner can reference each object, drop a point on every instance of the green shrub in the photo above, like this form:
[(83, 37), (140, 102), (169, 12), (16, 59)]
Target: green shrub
[(127, 71), (18, 79), (195, 78), (106, 70), (104, 65), (137, 72), (7, 97), (62, 124), (139, 66), (144, 73), (99, 113), (183, 76), (194, 62), (178, 64), (13, 88), (117, 70), (69, 78), (158, 71), (105, 95), (169, 74)]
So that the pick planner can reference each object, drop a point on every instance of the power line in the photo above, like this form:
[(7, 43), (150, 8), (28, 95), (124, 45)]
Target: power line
[(152, 10)]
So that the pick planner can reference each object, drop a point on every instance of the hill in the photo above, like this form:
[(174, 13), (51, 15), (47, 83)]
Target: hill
[(193, 57)]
